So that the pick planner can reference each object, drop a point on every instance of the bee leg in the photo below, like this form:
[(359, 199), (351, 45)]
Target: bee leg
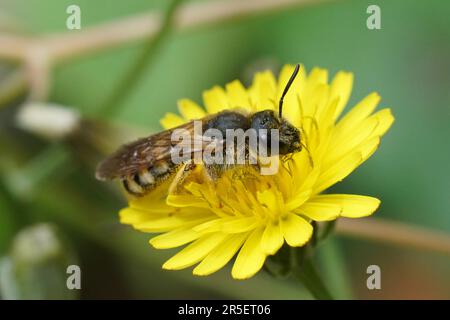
[(212, 172), (311, 161), (303, 132), (286, 163), (176, 185), (250, 171)]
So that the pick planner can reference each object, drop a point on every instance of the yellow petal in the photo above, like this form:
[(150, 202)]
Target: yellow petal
[(284, 76), (320, 106), (214, 225), (326, 120), (320, 211), (220, 256), (250, 258), (238, 225), (175, 238), (187, 200), (269, 199), (305, 178), (385, 119), (359, 112), (298, 200), (338, 171), (369, 147), (171, 120), (133, 216), (367, 129), (272, 238), (286, 73), (263, 92), (353, 206), (291, 108), (296, 230), (194, 252), (317, 77), (154, 201), (190, 110), (215, 100), (237, 95), (169, 222), (152, 205), (350, 143), (341, 87), (291, 111)]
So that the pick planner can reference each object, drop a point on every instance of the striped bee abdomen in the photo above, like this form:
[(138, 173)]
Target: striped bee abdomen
[(146, 180)]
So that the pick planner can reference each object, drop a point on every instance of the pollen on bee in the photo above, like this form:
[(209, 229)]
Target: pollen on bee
[(160, 168), (146, 178), (132, 186)]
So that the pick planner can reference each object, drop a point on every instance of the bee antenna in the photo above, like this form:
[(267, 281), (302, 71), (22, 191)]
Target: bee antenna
[(286, 89)]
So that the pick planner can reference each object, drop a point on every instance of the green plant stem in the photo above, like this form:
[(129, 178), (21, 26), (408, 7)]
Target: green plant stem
[(44, 166), (335, 269), (307, 274), (12, 87), (395, 233), (135, 72)]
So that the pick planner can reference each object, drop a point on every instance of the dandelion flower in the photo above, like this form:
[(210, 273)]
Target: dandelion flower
[(251, 218)]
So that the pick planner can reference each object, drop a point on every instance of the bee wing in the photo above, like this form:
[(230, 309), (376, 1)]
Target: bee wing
[(142, 154), (135, 156)]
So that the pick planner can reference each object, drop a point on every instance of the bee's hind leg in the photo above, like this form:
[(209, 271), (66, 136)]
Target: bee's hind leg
[(178, 181), (250, 171), (212, 172)]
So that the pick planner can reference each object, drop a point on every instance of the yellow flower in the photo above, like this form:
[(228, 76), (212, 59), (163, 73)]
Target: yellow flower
[(252, 217)]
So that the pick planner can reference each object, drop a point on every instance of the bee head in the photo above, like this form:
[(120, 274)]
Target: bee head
[(289, 136)]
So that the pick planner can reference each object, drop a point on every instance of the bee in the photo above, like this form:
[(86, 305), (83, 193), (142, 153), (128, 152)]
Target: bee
[(144, 164)]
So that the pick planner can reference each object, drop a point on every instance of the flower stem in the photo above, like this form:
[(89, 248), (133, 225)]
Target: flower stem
[(307, 274)]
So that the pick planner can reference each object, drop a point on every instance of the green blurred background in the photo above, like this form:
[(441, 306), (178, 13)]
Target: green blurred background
[(407, 62)]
